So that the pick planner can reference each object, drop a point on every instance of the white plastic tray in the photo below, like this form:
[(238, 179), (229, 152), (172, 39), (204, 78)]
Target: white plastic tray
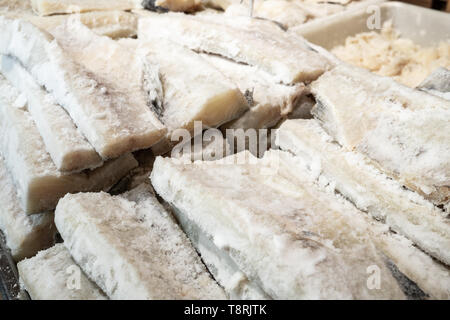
[(423, 26)]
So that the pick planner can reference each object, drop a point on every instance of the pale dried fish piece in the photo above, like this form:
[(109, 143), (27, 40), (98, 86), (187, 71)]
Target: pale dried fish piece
[(116, 66), (288, 60), (53, 275), (269, 101), (114, 24), (437, 83), (111, 123), (369, 189), (68, 148), (220, 264), (25, 235), (287, 13), (48, 7), (404, 131), (200, 93), (84, 47), (132, 248), (39, 183), (282, 231), (414, 265), (111, 23), (430, 275)]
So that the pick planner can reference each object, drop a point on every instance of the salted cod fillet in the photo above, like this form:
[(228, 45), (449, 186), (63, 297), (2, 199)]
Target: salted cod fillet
[(286, 13), (132, 248), (111, 23), (269, 101), (431, 276), (68, 148), (111, 123), (53, 275), (286, 235), (369, 189), (288, 60), (114, 24), (199, 93), (437, 83), (220, 264), (39, 183), (25, 235), (319, 155), (404, 131), (48, 7), (128, 71)]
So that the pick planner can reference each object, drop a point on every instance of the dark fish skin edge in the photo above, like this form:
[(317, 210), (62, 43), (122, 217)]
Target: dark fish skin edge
[(150, 5)]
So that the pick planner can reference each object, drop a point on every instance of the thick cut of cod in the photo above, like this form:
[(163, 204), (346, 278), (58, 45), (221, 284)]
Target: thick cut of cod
[(53, 275), (287, 59), (25, 235), (48, 7), (350, 175), (114, 24), (68, 148), (369, 189), (199, 93), (220, 264), (107, 117), (269, 101), (39, 183), (430, 275), (132, 248), (286, 235), (287, 13), (404, 131), (437, 83), (108, 60), (127, 71)]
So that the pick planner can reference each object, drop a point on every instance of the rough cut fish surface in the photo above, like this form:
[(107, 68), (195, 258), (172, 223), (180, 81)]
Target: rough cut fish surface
[(68, 148), (280, 229), (48, 7), (39, 183), (48, 275), (268, 100), (404, 131), (25, 235), (286, 58), (369, 189), (132, 248), (104, 114)]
